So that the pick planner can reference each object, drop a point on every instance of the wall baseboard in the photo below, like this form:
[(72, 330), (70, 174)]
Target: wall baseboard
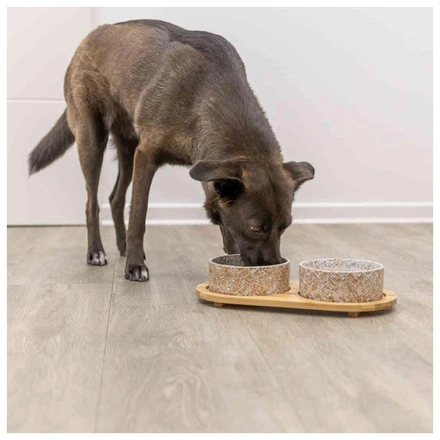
[(303, 212)]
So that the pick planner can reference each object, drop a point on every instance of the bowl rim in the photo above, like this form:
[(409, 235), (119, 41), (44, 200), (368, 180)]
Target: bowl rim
[(285, 262), (379, 268)]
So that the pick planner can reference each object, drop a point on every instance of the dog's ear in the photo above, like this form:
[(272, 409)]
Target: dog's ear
[(212, 170), (300, 172), (225, 174)]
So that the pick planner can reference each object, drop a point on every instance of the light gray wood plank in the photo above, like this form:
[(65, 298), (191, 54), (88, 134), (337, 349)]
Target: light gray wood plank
[(59, 257), (187, 368), (410, 276), (56, 337), (374, 371), (177, 258), (19, 244), (174, 363), (21, 240), (344, 374), (407, 274)]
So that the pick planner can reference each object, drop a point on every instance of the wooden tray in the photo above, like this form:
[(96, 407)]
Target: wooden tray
[(292, 300)]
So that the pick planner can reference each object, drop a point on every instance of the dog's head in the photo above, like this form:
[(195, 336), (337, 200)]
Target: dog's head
[(252, 202)]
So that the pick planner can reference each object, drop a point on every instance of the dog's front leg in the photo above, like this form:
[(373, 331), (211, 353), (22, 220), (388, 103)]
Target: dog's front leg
[(145, 166)]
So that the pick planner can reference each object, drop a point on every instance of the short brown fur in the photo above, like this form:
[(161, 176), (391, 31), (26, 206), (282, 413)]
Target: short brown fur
[(171, 96)]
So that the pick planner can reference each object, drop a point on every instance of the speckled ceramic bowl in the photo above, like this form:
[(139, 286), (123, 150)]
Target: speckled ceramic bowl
[(228, 275), (341, 280)]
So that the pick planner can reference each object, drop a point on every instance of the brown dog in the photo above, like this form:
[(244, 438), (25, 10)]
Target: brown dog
[(172, 96)]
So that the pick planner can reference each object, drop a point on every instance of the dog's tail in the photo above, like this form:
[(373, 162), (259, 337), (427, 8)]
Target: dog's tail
[(52, 146)]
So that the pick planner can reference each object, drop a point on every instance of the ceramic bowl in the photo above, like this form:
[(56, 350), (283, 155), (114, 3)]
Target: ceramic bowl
[(341, 280), (229, 276)]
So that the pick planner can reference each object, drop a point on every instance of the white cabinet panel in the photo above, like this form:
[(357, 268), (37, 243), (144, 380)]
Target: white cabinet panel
[(347, 89), (55, 195), (41, 42)]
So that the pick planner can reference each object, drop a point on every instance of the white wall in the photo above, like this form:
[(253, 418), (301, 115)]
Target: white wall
[(349, 90)]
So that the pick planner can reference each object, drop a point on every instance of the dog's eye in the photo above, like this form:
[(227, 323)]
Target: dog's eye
[(256, 230)]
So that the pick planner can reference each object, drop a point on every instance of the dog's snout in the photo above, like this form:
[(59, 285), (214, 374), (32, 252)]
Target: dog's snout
[(261, 254), (261, 260), (278, 260)]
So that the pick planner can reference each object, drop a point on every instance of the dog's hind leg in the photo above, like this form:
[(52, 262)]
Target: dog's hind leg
[(91, 137), (112, 194), (126, 149)]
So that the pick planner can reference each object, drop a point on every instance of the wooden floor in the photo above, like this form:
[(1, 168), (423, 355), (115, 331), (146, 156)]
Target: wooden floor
[(89, 351)]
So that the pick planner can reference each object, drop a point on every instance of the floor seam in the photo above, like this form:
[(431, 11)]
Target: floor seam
[(105, 349), (267, 364)]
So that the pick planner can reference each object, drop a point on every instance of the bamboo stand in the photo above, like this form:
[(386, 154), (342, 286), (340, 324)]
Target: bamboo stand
[(292, 300)]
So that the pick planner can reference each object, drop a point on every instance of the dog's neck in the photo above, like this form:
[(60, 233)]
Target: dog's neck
[(232, 124)]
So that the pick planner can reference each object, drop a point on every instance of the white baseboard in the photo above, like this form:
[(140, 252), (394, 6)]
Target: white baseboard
[(303, 212)]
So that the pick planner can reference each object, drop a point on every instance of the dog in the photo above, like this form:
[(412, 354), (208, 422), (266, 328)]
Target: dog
[(168, 95)]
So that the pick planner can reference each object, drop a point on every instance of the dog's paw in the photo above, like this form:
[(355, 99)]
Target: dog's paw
[(137, 272), (96, 258)]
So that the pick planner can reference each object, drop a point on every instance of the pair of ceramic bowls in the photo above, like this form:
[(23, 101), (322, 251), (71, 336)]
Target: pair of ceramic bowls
[(331, 280)]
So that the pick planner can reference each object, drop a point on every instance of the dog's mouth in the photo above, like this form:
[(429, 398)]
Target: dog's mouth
[(262, 261)]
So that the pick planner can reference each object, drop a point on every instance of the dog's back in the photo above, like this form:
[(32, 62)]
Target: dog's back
[(116, 64), (148, 75), (171, 96)]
